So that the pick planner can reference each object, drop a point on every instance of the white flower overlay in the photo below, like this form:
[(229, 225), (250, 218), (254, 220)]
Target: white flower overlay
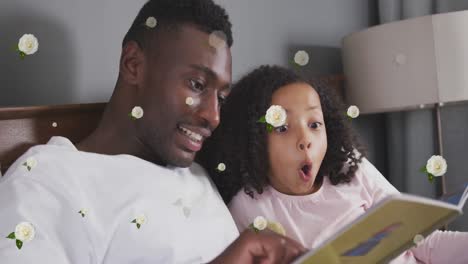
[(353, 111), (185, 209), (276, 227), (25, 232), (189, 101), (301, 58), (418, 239), (151, 22), (83, 212), (137, 112), (28, 44), (30, 163), (140, 220), (221, 167), (178, 202), (217, 39), (276, 116), (260, 223), (436, 165)]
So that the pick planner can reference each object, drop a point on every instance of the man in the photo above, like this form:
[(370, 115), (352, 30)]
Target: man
[(129, 193)]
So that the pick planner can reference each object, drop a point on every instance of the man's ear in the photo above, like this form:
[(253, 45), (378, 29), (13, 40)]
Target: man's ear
[(131, 63)]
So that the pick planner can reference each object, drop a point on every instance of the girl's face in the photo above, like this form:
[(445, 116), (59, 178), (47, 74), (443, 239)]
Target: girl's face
[(296, 150)]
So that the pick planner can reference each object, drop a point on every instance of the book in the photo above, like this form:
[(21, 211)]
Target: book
[(387, 229)]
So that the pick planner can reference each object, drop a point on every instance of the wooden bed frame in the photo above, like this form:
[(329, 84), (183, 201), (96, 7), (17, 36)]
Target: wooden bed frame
[(23, 127)]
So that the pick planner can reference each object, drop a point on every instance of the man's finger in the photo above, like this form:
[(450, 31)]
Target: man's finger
[(282, 250), (296, 244)]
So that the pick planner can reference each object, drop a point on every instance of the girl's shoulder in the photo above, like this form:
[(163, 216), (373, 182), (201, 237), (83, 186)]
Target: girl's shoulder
[(368, 174), (244, 208), (375, 183)]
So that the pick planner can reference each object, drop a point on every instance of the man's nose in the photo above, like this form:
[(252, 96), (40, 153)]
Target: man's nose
[(209, 110)]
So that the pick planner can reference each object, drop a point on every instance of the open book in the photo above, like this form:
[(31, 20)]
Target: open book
[(387, 229)]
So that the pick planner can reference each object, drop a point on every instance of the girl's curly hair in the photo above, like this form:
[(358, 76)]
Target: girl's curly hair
[(240, 141)]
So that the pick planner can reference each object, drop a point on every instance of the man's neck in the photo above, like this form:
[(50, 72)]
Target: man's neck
[(116, 140)]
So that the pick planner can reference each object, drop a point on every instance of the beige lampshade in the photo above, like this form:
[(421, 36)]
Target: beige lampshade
[(409, 63)]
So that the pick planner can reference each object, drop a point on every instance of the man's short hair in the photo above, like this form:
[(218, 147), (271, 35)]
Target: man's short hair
[(170, 14)]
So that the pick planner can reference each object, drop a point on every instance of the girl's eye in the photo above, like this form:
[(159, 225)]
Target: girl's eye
[(281, 129), (197, 85), (315, 125)]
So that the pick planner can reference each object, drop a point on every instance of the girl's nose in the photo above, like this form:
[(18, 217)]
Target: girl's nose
[(304, 145)]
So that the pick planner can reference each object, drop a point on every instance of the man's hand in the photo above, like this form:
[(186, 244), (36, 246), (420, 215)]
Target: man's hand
[(264, 247)]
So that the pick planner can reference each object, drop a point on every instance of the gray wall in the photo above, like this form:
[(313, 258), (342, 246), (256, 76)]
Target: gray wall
[(450, 5), (266, 30), (79, 49)]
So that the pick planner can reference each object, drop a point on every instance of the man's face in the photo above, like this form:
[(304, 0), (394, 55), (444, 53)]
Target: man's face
[(185, 66)]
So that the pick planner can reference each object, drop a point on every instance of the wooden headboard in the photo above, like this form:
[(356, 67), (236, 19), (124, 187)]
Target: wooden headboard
[(23, 127)]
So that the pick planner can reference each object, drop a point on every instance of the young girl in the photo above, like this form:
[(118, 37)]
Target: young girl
[(305, 170)]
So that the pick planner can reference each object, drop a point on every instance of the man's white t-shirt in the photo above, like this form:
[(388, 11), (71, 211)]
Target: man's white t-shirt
[(87, 207)]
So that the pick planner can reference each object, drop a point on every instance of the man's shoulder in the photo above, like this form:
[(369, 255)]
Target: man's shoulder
[(40, 156), (198, 170), (58, 162), (201, 175)]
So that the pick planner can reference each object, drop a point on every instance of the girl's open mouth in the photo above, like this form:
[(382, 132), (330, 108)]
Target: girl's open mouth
[(305, 172)]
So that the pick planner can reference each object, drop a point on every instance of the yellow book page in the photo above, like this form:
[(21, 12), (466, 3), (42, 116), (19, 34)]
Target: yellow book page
[(383, 233)]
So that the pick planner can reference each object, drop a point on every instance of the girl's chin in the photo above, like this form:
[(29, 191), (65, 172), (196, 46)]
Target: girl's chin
[(309, 189), (302, 188)]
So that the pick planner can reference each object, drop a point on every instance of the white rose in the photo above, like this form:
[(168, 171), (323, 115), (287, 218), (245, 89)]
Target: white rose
[(189, 101), (217, 39), (141, 219), (31, 163), (301, 57), (353, 111), (25, 231), (84, 211), (28, 44), (276, 116), (260, 222), (418, 239), (137, 112), (151, 22), (276, 227), (221, 167), (436, 165)]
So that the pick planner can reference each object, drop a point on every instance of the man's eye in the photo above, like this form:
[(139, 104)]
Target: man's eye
[(315, 125), (221, 100), (281, 129), (197, 85)]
